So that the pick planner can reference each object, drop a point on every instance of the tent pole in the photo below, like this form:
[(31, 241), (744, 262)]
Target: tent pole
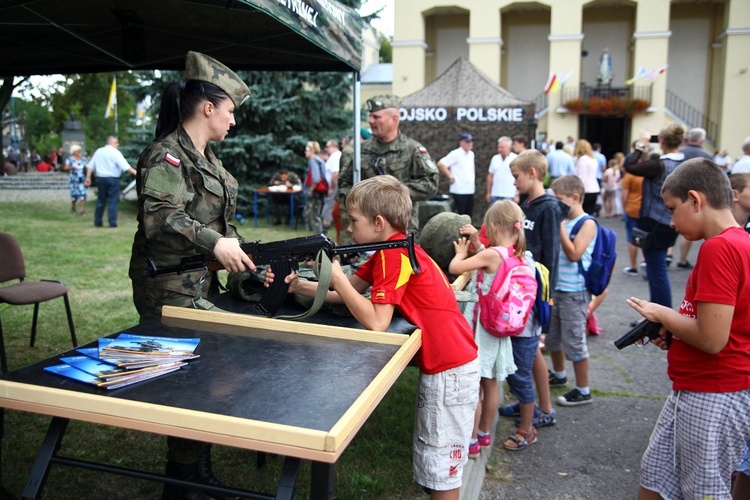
[(356, 136)]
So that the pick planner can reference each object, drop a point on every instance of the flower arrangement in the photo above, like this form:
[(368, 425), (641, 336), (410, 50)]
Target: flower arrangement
[(607, 106)]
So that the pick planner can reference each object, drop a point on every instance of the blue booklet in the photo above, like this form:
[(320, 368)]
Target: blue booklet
[(67, 371), (129, 363), (127, 345), (107, 371)]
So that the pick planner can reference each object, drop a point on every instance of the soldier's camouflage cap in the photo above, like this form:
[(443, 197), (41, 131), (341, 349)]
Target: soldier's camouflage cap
[(207, 69), (382, 102)]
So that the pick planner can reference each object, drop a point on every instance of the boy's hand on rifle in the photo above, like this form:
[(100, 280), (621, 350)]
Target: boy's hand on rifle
[(292, 280), (228, 252)]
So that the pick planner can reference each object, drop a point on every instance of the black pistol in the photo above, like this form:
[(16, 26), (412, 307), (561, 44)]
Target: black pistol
[(644, 329)]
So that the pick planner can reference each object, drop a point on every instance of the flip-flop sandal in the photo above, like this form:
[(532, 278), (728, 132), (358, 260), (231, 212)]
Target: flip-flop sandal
[(529, 438)]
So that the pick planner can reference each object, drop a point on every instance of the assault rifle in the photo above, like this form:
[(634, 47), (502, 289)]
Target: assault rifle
[(284, 257), (644, 329)]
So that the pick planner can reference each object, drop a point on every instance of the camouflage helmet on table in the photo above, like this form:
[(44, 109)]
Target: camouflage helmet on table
[(438, 235), (204, 68)]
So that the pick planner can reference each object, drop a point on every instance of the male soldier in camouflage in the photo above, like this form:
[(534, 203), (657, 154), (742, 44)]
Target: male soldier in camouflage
[(388, 152), (185, 202)]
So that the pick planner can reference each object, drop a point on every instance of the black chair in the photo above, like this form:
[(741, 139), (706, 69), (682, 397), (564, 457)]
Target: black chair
[(26, 292)]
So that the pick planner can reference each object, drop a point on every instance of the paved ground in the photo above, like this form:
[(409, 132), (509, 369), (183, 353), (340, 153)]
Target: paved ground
[(594, 451)]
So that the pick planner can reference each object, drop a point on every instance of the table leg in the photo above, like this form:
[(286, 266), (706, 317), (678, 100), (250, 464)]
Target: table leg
[(321, 480), (40, 470), (268, 209), (285, 491), (255, 209), (292, 215)]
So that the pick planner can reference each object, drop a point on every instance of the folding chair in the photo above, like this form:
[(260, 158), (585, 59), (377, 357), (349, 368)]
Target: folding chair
[(26, 292)]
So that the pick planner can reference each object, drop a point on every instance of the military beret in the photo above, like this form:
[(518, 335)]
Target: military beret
[(207, 69), (383, 101)]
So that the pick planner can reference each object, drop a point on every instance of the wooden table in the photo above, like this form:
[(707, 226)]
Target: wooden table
[(268, 192), (261, 384)]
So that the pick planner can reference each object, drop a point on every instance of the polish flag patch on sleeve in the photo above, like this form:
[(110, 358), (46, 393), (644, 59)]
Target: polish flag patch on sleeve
[(422, 149), (172, 160)]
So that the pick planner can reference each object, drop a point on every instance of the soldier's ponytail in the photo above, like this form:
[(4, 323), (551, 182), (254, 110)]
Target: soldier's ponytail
[(181, 100)]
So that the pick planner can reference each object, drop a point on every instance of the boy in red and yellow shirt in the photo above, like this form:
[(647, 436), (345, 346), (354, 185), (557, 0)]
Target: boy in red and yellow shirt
[(379, 209)]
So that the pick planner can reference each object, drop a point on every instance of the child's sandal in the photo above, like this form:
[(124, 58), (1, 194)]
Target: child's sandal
[(529, 438)]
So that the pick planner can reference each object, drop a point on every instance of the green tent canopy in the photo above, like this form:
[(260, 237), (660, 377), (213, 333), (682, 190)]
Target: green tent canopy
[(91, 36)]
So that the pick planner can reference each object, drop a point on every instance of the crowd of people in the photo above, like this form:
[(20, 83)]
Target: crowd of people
[(539, 213)]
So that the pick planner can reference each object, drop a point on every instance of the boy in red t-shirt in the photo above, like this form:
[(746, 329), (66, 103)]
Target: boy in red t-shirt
[(379, 209), (692, 452)]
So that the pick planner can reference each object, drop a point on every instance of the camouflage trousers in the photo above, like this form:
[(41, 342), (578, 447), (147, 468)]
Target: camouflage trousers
[(314, 212), (148, 302)]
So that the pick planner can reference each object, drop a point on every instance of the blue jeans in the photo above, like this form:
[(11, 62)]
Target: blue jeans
[(658, 279), (521, 383), (109, 194)]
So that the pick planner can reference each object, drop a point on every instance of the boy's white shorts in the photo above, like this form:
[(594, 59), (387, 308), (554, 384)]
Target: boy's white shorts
[(446, 404)]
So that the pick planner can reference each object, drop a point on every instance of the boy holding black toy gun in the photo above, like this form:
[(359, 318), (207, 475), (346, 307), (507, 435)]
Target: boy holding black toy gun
[(692, 453)]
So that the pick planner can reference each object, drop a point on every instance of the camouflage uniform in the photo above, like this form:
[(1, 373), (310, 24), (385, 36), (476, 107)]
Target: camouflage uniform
[(185, 204), (403, 158)]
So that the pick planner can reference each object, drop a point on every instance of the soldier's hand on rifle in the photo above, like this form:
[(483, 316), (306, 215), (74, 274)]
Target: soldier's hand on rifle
[(228, 252)]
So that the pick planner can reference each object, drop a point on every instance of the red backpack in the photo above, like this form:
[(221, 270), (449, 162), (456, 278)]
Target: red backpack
[(505, 310)]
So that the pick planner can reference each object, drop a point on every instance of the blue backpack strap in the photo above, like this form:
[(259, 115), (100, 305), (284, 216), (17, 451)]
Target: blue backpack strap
[(574, 232), (579, 224)]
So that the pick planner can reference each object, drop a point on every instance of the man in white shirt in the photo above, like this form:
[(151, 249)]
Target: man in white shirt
[(560, 163), (500, 182), (458, 166), (332, 176), (109, 164), (743, 164)]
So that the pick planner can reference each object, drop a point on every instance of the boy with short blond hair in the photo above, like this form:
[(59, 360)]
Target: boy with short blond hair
[(542, 230), (379, 209), (693, 454), (567, 330)]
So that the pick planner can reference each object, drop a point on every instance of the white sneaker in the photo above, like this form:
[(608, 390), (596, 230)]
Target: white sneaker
[(630, 271)]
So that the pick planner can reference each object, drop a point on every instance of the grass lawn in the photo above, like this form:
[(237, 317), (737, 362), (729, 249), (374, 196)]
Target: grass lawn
[(93, 263)]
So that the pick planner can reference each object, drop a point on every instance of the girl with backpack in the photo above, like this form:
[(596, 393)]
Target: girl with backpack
[(493, 320)]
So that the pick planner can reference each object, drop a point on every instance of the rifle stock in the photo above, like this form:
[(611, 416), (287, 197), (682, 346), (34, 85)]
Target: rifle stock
[(284, 257)]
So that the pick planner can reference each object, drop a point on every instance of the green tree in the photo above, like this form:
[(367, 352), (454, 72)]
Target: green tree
[(386, 51), (86, 95)]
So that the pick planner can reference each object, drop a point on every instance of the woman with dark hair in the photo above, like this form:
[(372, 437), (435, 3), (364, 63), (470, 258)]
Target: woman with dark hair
[(654, 217), (185, 202)]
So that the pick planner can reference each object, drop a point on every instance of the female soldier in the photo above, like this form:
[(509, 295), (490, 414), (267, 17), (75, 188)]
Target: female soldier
[(185, 202)]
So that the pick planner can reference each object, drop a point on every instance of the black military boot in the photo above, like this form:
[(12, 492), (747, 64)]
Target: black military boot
[(185, 472)]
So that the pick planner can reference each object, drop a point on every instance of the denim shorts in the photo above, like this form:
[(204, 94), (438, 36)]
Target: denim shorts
[(630, 223), (521, 383)]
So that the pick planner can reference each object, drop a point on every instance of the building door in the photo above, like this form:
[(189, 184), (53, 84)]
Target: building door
[(610, 132)]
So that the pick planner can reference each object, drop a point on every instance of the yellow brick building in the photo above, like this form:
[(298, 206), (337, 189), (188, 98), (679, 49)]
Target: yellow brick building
[(704, 44)]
